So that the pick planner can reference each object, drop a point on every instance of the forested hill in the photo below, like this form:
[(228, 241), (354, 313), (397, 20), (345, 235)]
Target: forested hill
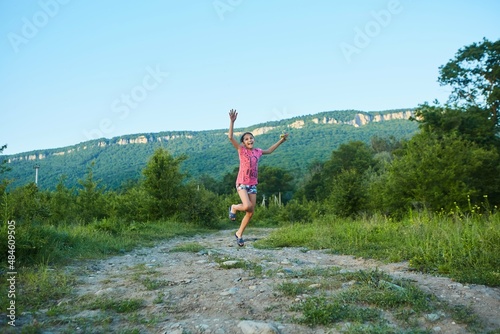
[(121, 159)]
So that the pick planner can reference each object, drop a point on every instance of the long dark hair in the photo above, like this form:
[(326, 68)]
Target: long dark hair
[(243, 135)]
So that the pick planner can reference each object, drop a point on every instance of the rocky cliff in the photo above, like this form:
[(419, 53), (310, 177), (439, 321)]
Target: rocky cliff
[(355, 118)]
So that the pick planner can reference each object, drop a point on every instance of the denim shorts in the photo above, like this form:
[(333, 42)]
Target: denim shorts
[(249, 189)]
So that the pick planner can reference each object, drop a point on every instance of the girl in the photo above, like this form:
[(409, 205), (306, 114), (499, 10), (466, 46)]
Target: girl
[(246, 182)]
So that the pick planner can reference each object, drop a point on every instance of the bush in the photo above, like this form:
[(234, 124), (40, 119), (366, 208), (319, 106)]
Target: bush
[(295, 212), (133, 205), (198, 206)]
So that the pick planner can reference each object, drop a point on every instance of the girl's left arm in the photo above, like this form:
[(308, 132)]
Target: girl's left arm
[(275, 146)]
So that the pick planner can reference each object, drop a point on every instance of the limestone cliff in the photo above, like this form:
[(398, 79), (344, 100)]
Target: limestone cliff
[(355, 118)]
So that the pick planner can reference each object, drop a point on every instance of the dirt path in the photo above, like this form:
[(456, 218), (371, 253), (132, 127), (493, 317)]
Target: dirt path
[(189, 292)]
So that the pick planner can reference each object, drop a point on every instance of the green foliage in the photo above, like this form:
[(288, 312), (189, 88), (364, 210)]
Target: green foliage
[(197, 206), (3, 164), (274, 180), (131, 205), (90, 199), (351, 158), (435, 173), (472, 123), (296, 212), (341, 183), (192, 247), (360, 302), (42, 285), (119, 306), (163, 182), (474, 75), (62, 203), (324, 311), (27, 203), (118, 160), (464, 248), (349, 193)]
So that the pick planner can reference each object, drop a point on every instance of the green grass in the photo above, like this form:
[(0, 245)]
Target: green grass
[(323, 311), (234, 263), (190, 247), (464, 248), (362, 305), (119, 306), (41, 252)]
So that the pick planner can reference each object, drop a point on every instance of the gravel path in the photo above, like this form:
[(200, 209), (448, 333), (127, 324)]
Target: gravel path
[(189, 292)]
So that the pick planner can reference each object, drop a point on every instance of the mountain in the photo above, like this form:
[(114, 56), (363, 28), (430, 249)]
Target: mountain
[(121, 159)]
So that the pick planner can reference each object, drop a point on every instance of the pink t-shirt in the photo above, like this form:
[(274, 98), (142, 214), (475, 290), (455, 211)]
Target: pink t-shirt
[(249, 165)]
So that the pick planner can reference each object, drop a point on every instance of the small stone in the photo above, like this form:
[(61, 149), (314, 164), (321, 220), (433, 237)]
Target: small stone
[(432, 317), (253, 327), (231, 291), (229, 263)]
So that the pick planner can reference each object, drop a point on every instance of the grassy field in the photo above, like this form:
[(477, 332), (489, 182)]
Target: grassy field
[(466, 249), (43, 251)]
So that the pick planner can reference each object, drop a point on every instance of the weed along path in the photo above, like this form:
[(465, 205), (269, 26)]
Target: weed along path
[(207, 284)]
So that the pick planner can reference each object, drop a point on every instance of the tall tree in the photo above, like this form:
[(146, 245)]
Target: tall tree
[(90, 196), (471, 123), (439, 173), (163, 182), (355, 155), (474, 75), (3, 164)]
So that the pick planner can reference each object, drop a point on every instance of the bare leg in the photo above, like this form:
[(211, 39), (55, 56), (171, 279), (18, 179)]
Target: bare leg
[(247, 204)]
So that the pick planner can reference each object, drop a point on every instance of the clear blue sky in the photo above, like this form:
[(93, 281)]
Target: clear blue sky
[(73, 70)]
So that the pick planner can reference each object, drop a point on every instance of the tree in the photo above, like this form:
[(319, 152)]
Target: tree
[(228, 183), (312, 183), (4, 182), (471, 123), (90, 197), (349, 193), (439, 173), (3, 164), (390, 144), (355, 156), (62, 203), (274, 180), (163, 182), (474, 75)]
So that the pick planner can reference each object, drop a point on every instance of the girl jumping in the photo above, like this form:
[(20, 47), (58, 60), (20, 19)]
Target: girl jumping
[(246, 182)]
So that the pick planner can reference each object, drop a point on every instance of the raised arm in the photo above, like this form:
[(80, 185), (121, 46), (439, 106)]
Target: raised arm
[(232, 116), (275, 146)]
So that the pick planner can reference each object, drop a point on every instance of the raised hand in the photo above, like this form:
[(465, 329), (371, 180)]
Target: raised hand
[(232, 115)]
